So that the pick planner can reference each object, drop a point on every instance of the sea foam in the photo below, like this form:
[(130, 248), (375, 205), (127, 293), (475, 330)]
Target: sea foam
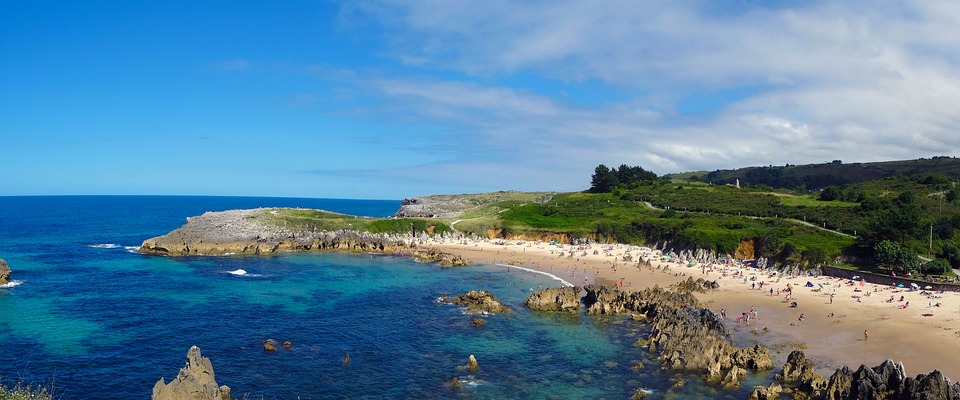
[(10, 284), (104, 245)]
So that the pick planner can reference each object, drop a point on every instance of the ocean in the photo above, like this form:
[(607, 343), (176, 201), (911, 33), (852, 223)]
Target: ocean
[(92, 319)]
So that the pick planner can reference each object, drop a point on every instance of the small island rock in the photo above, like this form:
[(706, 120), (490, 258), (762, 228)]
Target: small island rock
[(194, 382), (478, 301), (4, 272), (554, 299)]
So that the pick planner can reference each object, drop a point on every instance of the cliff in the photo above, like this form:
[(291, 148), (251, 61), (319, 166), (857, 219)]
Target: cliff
[(268, 231)]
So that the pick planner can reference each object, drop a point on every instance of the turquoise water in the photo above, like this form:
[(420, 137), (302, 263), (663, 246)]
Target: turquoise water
[(97, 321)]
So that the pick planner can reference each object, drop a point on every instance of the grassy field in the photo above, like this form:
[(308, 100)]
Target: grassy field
[(806, 201)]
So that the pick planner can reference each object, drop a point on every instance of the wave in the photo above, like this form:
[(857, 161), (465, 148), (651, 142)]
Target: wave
[(562, 282), (242, 272), (10, 284), (104, 245)]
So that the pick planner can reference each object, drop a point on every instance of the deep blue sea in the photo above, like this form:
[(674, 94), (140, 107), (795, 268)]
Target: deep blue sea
[(94, 320)]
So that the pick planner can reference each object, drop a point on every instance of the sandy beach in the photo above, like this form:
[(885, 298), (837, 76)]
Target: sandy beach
[(835, 312)]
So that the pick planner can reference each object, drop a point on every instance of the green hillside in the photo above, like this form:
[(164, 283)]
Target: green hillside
[(818, 176)]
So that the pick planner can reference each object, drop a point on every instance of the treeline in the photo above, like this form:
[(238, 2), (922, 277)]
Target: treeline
[(604, 179)]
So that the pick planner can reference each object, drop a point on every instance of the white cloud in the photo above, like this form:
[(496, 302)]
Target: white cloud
[(858, 81)]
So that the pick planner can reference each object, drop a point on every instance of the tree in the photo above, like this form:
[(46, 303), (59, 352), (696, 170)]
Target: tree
[(894, 255), (935, 267), (604, 180), (952, 195), (830, 193)]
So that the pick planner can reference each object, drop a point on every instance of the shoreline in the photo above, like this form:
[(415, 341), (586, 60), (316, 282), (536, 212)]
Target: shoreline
[(831, 332)]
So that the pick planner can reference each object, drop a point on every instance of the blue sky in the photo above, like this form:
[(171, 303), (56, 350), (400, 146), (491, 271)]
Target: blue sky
[(387, 99)]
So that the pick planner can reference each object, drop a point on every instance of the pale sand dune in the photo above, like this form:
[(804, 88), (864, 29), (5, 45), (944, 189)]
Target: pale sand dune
[(921, 343)]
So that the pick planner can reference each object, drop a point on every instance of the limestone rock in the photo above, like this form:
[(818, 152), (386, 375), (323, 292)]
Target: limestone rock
[(478, 322), (445, 260), (287, 345), (472, 364), (4, 272), (733, 378), (638, 394), (270, 345), (478, 301), (194, 382), (771, 392), (554, 299), (799, 371), (695, 285)]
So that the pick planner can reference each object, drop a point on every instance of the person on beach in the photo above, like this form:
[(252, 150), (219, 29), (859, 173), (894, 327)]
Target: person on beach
[(865, 337)]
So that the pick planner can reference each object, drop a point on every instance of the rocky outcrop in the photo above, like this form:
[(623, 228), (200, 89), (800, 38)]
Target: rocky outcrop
[(259, 232), (4, 272), (445, 260), (687, 335), (885, 381), (194, 382), (478, 301), (554, 299), (799, 372), (771, 392), (888, 381), (698, 285), (453, 205)]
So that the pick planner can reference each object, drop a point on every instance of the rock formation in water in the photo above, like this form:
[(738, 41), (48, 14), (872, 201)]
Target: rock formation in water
[(555, 299), (478, 301), (687, 335), (4, 272), (194, 382), (250, 232), (444, 259)]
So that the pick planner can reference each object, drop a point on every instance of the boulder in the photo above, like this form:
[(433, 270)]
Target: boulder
[(554, 299), (445, 260), (733, 378), (4, 272), (771, 392), (287, 345), (478, 301), (270, 345), (799, 372), (472, 364), (194, 382)]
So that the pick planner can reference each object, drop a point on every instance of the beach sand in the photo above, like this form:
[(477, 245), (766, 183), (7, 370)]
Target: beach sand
[(831, 333)]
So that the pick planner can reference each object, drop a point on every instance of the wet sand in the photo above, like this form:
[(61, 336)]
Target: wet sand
[(830, 333)]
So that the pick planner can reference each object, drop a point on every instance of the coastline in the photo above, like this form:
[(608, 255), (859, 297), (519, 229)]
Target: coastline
[(901, 334)]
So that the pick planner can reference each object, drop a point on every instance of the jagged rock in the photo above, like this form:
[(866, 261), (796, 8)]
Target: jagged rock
[(733, 378), (480, 301), (194, 382), (799, 372), (287, 345), (888, 381), (554, 299), (639, 394), (695, 285), (479, 322), (446, 260), (686, 335), (4, 272), (771, 392), (455, 383), (472, 364)]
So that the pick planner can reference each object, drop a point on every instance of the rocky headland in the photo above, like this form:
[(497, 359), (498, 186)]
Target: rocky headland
[(195, 381), (261, 231), (4, 272)]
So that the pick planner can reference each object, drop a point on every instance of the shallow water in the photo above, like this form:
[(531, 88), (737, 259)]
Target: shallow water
[(95, 320)]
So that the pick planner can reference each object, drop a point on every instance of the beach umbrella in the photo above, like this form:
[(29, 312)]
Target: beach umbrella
[(899, 285)]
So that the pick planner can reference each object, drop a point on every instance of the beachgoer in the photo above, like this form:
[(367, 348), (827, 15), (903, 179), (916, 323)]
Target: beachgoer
[(865, 337)]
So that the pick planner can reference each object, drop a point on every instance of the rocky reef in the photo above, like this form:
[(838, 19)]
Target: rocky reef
[(249, 232), (555, 299), (194, 382), (687, 335), (4, 272), (478, 301), (887, 381), (445, 260)]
